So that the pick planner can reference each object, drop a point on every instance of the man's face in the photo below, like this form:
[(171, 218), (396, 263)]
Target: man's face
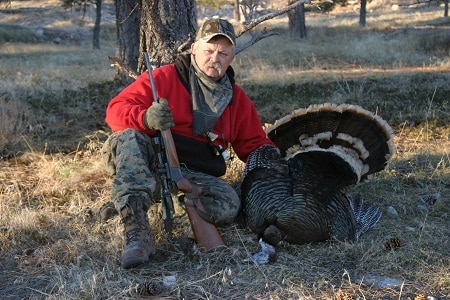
[(213, 57)]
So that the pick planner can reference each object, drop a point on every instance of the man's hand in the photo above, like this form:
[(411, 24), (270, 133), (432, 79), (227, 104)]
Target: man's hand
[(158, 116)]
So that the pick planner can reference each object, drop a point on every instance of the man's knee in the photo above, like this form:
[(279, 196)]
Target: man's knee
[(132, 136), (222, 203)]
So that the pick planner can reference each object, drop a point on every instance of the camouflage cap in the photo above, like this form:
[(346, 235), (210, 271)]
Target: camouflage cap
[(215, 26)]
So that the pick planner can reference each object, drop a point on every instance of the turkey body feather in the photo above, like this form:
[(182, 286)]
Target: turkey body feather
[(301, 193)]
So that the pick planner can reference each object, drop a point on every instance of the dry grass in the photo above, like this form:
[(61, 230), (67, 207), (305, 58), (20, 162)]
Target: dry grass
[(52, 180)]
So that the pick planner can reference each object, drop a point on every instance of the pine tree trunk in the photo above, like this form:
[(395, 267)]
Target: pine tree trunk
[(236, 11), (445, 8), (302, 18), (127, 23), (297, 24), (98, 17), (165, 26), (362, 14)]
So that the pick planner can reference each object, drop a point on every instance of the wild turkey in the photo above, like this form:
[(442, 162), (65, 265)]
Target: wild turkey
[(302, 194)]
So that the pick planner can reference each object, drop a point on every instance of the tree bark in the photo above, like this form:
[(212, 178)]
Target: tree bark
[(297, 23), (128, 17), (445, 8), (98, 17), (362, 14), (165, 26), (237, 11)]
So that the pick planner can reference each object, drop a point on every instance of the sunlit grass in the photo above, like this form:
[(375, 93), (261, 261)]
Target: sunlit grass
[(53, 67)]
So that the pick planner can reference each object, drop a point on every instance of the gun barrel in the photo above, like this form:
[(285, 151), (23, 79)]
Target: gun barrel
[(150, 74)]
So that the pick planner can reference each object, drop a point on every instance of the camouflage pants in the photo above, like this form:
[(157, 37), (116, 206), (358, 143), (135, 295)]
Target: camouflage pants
[(130, 158)]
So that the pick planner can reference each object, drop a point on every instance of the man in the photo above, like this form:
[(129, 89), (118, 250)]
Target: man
[(205, 111)]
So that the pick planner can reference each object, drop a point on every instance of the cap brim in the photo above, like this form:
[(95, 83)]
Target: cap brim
[(209, 37)]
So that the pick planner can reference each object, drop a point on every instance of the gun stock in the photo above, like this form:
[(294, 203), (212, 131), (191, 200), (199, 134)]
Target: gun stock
[(206, 234)]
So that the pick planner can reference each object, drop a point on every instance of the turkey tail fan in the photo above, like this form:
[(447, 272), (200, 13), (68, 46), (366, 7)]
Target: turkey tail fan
[(353, 133), (366, 215)]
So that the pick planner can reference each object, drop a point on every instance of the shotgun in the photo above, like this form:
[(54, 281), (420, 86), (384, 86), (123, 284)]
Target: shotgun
[(205, 232)]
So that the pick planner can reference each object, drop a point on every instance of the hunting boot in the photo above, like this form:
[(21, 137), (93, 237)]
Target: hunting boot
[(138, 239)]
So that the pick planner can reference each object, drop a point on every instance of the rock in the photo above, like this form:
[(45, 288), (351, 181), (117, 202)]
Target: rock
[(392, 211), (380, 281)]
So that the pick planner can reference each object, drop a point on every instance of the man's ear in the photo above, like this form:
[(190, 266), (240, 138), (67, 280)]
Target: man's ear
[(193, 48)]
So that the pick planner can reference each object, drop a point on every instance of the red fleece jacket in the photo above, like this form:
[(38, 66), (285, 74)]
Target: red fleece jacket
[(239, 124)]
